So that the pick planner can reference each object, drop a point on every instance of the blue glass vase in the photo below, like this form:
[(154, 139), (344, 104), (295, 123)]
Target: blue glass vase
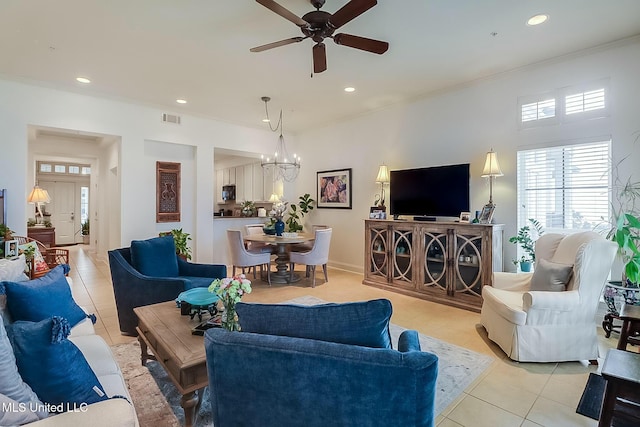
[(279, 227)]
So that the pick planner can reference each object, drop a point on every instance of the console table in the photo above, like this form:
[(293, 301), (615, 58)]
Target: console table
[(445, 262), (45, 235)]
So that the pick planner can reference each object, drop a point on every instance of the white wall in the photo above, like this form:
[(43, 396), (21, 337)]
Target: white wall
[(460, 126)]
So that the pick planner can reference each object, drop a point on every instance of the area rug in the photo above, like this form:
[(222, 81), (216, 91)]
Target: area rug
[(591, 400), (157, 401)]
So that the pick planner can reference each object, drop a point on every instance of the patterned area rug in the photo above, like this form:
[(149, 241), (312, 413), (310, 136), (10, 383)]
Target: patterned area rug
[(157, 401)]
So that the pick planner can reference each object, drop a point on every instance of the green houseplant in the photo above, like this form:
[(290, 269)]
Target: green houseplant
[(248, 208), (297, 212), (526, 242), (85, 230), (627, 236), (181, 240), (5, 232)]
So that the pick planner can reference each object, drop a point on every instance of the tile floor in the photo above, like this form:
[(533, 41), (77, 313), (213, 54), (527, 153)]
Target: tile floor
[(507, 394)]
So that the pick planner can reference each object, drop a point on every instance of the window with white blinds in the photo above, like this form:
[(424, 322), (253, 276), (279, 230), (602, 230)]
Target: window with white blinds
[(584, 101), (565, 187), (581, 102), (539, 110)]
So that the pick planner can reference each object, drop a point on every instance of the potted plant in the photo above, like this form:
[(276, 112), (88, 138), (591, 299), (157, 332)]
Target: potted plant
[(248, 208), (305, 204), (5, 232), (627, 236), (85, 230), (526, 242), (181, 240)]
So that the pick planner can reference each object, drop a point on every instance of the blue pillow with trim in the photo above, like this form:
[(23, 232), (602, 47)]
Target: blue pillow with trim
[(42, 298), (53, 366), (155, 257), (363, 323)]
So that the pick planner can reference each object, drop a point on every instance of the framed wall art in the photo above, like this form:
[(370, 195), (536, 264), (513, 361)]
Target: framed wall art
[(167, 192), (487, 213), (334, 189)]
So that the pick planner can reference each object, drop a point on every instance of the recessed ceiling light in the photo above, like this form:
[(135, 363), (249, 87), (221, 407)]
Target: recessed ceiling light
[(181, 101), (537, 19), (83, 80), (349, 89), (265, 120)]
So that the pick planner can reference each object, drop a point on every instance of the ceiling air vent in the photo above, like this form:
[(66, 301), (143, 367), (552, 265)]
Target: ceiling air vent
[(171, 118)]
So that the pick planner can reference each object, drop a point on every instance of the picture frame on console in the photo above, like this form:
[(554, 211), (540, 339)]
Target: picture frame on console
[(486, 215), (376, 212), (465, 216), (334, 189), (11, 249)]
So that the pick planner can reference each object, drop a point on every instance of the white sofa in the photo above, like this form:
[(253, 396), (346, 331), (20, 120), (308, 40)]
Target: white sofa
[(546, 326), (108, 413)]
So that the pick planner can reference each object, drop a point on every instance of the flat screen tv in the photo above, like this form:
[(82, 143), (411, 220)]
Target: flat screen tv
[(430, 192)]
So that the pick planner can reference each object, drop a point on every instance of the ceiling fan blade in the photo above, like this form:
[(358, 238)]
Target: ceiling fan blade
[(319, 58), (349, 11), (285, 13), (362, 43), (277, 44)]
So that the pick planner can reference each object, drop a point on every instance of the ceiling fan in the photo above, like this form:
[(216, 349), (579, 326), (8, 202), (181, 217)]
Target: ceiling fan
[(318, 25)]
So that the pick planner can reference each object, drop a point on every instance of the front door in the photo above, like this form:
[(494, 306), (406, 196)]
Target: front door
[(62, 208)]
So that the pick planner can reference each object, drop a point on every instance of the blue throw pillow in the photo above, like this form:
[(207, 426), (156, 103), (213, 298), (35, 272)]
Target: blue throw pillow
[(42, 298), (52, 365), (357, 323), (155, 257)]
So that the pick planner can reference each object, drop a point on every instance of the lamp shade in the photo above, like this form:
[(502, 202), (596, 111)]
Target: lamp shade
[(383, 175), (274, 198), (491, 165), (38, 195)]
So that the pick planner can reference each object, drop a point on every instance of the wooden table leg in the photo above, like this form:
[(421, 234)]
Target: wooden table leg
[(144, 353), (608, 403), (190, 403), (624, 334)]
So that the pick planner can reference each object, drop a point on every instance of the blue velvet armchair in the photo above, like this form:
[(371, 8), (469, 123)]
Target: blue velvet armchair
[(274, 380), (150, 272)]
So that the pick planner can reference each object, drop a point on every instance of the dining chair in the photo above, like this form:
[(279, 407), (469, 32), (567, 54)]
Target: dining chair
[(318, 255), (253, 229), (307, 246), (243, 258)]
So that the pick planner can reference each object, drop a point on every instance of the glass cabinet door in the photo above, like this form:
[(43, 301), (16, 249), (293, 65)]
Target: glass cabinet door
[(402, 253), (378, 263), (434, 245), (467, 263)]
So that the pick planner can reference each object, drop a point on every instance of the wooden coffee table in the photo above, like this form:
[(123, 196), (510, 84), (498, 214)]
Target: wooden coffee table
[(168, 334)]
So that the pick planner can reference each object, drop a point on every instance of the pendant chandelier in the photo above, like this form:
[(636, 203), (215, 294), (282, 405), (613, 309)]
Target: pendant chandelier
[(282, 166)]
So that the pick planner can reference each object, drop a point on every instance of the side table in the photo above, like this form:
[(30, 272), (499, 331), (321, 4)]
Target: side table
[(630, 316), (45, 235), (614, 295), (621, 369)]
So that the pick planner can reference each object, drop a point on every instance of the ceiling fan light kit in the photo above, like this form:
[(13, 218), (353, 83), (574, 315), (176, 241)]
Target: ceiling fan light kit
[(319, 25)]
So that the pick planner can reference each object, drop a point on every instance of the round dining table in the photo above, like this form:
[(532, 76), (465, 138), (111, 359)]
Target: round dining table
[(283, 246)]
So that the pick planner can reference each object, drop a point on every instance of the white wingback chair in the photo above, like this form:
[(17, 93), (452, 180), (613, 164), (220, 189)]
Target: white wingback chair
[(318, 255), (241, 257), (550, 326)]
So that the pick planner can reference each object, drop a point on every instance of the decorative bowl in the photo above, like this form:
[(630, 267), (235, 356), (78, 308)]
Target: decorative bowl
[(289, 235), (269, 230)]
